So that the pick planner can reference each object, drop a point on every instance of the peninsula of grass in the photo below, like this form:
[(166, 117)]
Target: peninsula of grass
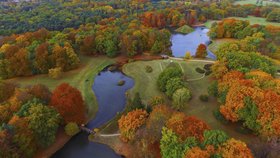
[(82, 78), (146, 85), (184, 29)]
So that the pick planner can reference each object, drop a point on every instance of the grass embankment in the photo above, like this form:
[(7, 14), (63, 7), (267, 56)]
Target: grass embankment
[(145, 84), (82, 78), (184, 29), (242, 2)]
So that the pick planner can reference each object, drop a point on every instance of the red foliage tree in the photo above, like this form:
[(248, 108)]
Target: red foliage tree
[(69, 103), (187, 126), (201, 51)]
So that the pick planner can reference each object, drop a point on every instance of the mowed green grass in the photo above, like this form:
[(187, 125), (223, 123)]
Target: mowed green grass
[(253, 20), (242, 2), (82, 78), (145, 84)]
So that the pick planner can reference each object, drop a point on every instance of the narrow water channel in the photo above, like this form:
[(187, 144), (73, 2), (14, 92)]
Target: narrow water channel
[(111, 100)]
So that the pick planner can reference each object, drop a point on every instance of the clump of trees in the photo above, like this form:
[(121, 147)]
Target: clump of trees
[(251, 98), (253, 38), (171, 82), (29, 119), (172, 134)]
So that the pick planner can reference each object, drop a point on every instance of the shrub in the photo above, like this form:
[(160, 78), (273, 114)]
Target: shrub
[(55, 73), (207, 73), (204, 97), (207, 67), (199, 70), (71, 129), (148, 69)]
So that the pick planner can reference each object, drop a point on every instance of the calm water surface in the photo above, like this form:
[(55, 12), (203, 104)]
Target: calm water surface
[(188, 43), (111, 100)]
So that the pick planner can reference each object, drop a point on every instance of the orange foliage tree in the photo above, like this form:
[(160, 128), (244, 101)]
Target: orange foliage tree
[(128, 124), (187, 126), (196, 152), (69, 103), (201, 51), (235, 148)]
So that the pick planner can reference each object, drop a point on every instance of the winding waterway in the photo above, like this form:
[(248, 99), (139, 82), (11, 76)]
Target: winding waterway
[(111, 100)]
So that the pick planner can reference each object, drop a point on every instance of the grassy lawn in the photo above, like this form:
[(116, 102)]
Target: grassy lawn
[(145, 84), (242, 2), (213, 47), (81, 78), (251, 19)]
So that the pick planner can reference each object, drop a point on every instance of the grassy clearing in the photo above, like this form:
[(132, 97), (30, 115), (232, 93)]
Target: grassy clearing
[(81, 78), (145, 84), (257, 20), (251, 19), (213, 47), (242, 2)]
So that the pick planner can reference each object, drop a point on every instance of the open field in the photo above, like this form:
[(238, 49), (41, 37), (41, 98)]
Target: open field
[(81, 78), (251, 19), (242, 2), (145, 84)]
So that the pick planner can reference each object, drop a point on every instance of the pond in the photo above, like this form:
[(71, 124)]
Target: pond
[(188, 43), (111, 100)]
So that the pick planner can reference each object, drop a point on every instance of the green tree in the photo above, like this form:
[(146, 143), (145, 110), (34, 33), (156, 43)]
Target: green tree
[(249, 115), (170, 146), (172, 85), (44, 122), (167, 74), (181, 97), (214, 137)]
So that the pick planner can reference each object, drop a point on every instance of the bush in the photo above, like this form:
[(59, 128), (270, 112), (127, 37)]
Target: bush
[(112, 68), (199, 70), (71, 129), (213, 89), (207, 67), (55, 73), (207, 73), (204, 97), (148, 69), (220, 117)]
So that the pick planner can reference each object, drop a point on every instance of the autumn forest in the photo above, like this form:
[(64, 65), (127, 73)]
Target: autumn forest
[(140, 78)]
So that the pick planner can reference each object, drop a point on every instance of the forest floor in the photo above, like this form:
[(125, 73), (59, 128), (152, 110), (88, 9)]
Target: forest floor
[(145, 84)]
